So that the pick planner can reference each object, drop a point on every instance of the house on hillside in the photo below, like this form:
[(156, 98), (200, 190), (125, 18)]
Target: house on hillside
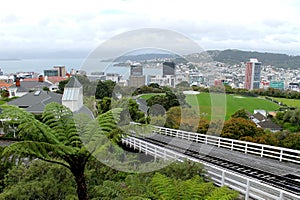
[(20, 88), (52, 80), (4, 85), (35, 102), (262, 121)]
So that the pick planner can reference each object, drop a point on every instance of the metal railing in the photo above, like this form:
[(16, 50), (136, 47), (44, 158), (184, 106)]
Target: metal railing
[(278, 153), (250, 188)]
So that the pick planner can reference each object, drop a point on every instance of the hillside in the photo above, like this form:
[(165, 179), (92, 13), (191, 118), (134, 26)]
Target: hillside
[(237, 56)]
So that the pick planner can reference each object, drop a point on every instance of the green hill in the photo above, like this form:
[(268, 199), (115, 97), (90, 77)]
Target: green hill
[(237, 56)]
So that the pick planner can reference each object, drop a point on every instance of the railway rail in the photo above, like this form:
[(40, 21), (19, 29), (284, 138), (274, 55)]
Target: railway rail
[(282, 182)]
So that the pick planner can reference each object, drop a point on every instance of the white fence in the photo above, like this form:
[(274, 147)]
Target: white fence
[(279, 153), (250, 188)]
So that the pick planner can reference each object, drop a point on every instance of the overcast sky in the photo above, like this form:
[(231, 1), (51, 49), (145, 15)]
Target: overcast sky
[(76, 25)]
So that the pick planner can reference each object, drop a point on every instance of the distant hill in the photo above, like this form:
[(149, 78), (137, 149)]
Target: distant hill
[(146, 57), (227, 56), (237, 56)]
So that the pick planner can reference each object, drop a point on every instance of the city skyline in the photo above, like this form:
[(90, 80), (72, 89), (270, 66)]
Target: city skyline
[(34, 27)]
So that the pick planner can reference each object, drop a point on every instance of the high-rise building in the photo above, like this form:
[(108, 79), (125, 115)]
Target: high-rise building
[(252, 75), (136, 78), (136, 70), (168, 68), (56, 71), (61, 70), (50, 72)]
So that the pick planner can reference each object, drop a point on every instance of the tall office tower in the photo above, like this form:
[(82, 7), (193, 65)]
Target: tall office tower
[(168, 68), (136, 78), (136, 70), (252, 75)]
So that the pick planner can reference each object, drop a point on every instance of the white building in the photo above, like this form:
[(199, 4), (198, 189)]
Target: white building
[(73, 95)]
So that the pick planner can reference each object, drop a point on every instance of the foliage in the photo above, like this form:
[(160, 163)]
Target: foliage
[(280, 138), (56, 139), (62, 85), (242, 113), (4, 94), (91, 104), (4, 167), (104, 105), (183, 170), (183, 84), (39, 180), (167, 101), (290, 120), (105, 89), (46, 89), (237, 128), (272, 92), (130, 110), (195, 188), (185, 119)]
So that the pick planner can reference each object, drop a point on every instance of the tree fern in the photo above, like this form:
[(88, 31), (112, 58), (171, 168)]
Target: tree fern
[(57, 139)]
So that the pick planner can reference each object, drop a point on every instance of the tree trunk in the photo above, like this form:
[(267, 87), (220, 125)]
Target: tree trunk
[(78, 173)]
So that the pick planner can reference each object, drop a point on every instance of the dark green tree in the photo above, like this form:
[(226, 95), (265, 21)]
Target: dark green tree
[(242, 113), (61, 86), (104, 105), (39, 180), (105, 89)]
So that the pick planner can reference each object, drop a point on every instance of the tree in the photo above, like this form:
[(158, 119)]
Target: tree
[(56, 139), (167, 101), (242, 113), (105, 89), (39, 180), (183, 84), (62, 85), (4, 93), (46, 89), (237, 128), (104, 105)]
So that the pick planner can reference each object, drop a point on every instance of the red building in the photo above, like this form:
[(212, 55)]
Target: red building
[(252, 74)]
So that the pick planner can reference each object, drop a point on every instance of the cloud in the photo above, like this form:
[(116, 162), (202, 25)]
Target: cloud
[(75, 25)]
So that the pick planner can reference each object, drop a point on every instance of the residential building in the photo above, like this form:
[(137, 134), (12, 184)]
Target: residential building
[(35, 102), (21, 88), (252, 74)]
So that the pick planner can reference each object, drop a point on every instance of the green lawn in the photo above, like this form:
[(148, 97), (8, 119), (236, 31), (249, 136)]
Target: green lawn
[(224, 102), (147, 96), (288, 102), (231, 102)]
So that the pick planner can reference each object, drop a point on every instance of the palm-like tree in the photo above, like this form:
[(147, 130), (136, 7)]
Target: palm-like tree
[(57, 138)]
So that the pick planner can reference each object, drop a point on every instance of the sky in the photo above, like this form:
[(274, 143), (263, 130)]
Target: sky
[(33, 26)]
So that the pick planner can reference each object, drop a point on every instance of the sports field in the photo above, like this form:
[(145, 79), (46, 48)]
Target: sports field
[(203, 101), (288, 102)]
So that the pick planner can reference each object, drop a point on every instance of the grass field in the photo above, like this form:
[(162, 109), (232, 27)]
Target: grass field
[(224, 102), (233, 103), (288, 102)]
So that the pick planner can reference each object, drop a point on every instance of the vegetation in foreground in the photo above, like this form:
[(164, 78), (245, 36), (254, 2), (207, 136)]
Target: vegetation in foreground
[(40, 180)]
